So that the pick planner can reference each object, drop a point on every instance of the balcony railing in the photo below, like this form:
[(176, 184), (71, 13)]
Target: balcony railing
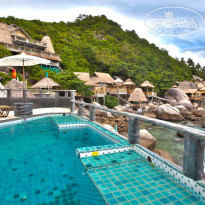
[(117, 90), (19, 48), (20, 39), (150, 93), (194, 139)]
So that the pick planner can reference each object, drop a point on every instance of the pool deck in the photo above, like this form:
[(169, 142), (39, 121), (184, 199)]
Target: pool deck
[(39, 111)]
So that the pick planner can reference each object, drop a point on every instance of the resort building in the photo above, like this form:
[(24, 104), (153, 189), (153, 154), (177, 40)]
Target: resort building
[(191, 89), (148, 89), (16, 40)]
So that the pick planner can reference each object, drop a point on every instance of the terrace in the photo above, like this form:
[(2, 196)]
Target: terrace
[(121, 170)]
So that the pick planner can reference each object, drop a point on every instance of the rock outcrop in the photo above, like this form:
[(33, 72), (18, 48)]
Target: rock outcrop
[(180, 97), (199, 112), (147, 140), (186, 114), (164, 154), (168, 113)]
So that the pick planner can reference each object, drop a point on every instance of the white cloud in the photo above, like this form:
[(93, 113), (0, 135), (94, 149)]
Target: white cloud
[(126, 23)]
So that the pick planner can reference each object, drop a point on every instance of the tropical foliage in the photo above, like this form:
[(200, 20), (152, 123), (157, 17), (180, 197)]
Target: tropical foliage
[(111, 101), (95, 43)]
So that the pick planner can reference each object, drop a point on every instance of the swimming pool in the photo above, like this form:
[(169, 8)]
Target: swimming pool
[(65, 159)]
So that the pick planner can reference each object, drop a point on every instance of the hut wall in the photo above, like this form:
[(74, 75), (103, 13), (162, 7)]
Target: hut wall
[(19, 33)]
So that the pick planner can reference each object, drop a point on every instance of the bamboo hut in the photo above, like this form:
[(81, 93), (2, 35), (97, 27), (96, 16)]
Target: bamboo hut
[(84, 76), (118, 87), (191, 89), (46, 83), (129, 85), (146, 85), (14, 84), (199, 84), (103, 80), (193, 94), (137, 96), (195, 77), (184, 85)]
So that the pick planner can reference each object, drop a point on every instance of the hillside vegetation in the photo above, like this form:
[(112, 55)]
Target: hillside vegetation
[(95, 43)]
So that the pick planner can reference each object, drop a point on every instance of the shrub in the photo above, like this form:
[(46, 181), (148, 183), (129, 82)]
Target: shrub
[(111, 101)]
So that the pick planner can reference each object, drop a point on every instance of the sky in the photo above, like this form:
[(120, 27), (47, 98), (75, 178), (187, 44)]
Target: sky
[(184, 37)]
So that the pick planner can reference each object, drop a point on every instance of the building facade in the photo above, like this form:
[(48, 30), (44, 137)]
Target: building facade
[(16, 40)]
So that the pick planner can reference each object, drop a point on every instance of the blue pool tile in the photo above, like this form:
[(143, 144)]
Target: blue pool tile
[(164, 200), (113, 201), (121, 199)]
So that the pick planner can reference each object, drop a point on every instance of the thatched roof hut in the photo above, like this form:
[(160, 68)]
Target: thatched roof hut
[(184, 85), (14, 84), (3, 93), (147, 84), (83, 76), (118, 81), (102, 78), (137, 96), (49, 48), (195, 77), (190, 91), (46, 83), (5, 35), (128, 82), (199, 84)]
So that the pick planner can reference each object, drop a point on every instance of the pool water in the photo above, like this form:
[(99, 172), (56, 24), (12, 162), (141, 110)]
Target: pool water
[(36, 167), (64, 160)]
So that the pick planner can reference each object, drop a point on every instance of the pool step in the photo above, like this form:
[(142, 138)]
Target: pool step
[(126, 177)]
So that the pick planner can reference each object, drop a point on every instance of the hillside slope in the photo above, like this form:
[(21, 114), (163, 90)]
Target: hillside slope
[(95, 43)]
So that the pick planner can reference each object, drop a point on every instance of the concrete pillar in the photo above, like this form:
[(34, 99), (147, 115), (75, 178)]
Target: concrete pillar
[(72, 100), (133, 131), (92, 115), (9, 96), (193, 158), (80, 109), (56, 94), (40, 94), (24, 94)]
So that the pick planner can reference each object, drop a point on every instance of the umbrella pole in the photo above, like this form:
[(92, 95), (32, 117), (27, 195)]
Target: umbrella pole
[(23, 83)]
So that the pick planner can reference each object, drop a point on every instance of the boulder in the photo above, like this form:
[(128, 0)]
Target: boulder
[(86, 113), (194, 118), (107, 126), (120, 108), (186, 114), (150, 114), (118, 118), (98, 112), (147, 140), (96, 103), (169, 113), (199, 112), (164, 154), (152, 106), (111, 118), (180, 96), (180, 107)]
